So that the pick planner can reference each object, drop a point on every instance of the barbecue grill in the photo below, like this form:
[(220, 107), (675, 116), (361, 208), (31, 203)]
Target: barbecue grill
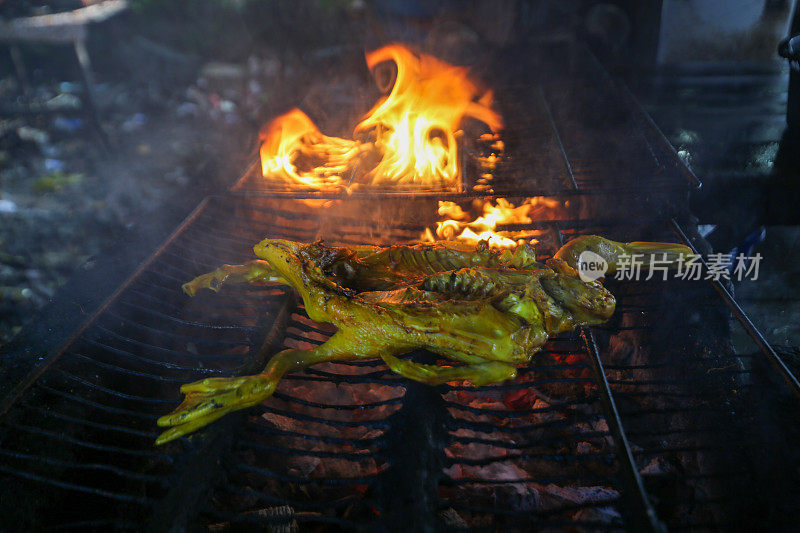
[(647, 422), (570, 129)]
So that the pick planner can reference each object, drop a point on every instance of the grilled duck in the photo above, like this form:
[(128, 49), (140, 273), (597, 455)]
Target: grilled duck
[(489, 311)]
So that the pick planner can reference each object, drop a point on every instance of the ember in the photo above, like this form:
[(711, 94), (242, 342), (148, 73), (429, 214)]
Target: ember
[(409, 138), (458, 225)]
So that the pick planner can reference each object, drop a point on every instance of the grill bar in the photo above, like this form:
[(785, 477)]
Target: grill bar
[(645, 518), (642, 116), (765, 347), (17, 391), (667, 146), (557, 136)]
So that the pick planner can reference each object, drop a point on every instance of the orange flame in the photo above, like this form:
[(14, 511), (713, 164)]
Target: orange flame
[(459, 227), (409, 138)]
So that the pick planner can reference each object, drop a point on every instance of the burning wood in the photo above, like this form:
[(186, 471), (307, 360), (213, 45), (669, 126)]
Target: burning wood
[(408, 139), (460, 226), (521, 494)]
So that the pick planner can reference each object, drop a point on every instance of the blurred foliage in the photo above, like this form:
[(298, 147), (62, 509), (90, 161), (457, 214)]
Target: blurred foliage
[(55, 181)]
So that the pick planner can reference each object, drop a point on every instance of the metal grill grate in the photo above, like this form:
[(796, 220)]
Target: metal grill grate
[(350, 445), (569, 129)]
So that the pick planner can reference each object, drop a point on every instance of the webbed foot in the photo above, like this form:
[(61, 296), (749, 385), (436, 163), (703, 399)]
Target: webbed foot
[(212, 398), (252, 271)]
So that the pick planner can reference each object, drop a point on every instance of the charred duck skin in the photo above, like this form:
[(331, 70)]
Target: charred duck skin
[(489, 311)]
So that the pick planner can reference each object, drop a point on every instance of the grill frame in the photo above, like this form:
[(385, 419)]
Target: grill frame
[(183, 490)]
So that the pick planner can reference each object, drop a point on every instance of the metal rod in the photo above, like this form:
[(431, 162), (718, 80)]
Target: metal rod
[(637, 106), (684, 168), (352, 175), (19, 65), (744, 320), (463, 185), (645, 518), (561, 149), (88, 80)]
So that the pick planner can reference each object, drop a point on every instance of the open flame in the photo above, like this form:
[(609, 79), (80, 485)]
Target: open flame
[(460, 226), (409, 138)]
